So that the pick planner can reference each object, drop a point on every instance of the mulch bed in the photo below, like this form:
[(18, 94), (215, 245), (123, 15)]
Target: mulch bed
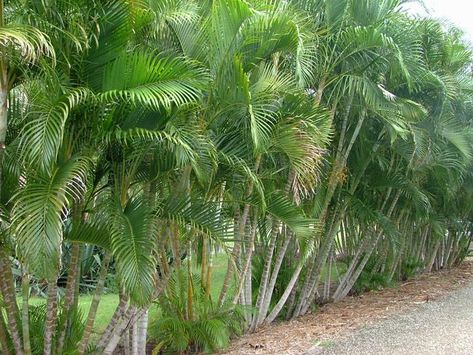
[(337, 319)]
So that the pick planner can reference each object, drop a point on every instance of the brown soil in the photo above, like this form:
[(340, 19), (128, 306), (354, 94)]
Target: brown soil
[(333, 320)]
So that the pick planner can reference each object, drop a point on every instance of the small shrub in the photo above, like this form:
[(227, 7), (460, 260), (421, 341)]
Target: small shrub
[(369, 279), (37, 316), (409, 268), (191, 321)]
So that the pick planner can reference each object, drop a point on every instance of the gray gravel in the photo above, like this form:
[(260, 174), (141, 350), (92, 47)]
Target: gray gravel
[(436, 327)]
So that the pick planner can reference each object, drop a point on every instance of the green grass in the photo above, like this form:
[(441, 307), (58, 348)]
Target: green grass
[(107, 306), (335, 273), (109, 302), (219, 269)]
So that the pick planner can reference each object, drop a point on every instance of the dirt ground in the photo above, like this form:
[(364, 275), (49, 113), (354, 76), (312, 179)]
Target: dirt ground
[(333, 321)]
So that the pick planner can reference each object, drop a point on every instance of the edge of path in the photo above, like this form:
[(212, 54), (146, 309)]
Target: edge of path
[(335, 320)]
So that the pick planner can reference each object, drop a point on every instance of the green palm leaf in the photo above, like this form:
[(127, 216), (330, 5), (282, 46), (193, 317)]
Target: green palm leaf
[(133, 235), (38, 214), (152, 80)]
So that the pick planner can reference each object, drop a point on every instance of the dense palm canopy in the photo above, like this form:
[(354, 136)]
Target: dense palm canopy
[(295, 137)]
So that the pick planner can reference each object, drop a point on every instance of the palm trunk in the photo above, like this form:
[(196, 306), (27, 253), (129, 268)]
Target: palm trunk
[(420, 251), (354, 278), (288, 291), (351, 277), (126, 343), (122, 321), (292, 298), (134, 339), (351, 268), (208, 275), (235, 252), (4, 348), (241, 233), (3, 99), (25, 288), (51, 317), (204, 263), (128, 320), (309, 290), (117, 315), (3, 116), (4, 262), (3, 96), (431, 261), (7, 288), (84, 343), (351, 281), (69, 294), (310, 285), (238, 221), (265, 275), (309, 296), (328, 279), (269, 292), (261, 299), (397, 262), (142, 326), (249, 258)]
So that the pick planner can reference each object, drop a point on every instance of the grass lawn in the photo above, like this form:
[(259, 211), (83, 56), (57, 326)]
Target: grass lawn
[(109, 302), (107, 306)]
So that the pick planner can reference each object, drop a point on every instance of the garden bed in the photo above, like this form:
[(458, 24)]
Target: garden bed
[(337, 319)]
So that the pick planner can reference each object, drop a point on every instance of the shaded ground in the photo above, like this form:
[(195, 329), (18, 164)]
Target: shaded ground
[(424, 311)]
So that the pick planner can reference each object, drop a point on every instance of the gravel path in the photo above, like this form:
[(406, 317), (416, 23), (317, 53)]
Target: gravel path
[(437, 327)]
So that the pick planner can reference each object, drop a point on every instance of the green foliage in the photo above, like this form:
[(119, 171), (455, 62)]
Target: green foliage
[(37, 315), (192, 321), (409, 268), (371, 278), (154, 130), (129, 233)]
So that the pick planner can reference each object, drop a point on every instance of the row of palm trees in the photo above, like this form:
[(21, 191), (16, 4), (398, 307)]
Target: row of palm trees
[(320, 144)]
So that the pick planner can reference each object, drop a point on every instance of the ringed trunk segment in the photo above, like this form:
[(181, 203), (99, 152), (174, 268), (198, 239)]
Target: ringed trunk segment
[(7, 288), (51, 318), (83, 344)]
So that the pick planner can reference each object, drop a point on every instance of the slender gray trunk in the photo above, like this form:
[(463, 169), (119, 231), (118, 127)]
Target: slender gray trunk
[(70, 291), (431, 261), (249, 257), (310, 286), (117, 315), (25, 319), (292, 299), (269, 291), (51, 317), (262, 304), (3, 336), (351, 268), (288, 291), (7, 287), (142, 325), (352, 277), (134, 339), (127, 321), (89, 325), (265, 274), (237, 246), (351, 281), (126, 342), (3, 116)]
